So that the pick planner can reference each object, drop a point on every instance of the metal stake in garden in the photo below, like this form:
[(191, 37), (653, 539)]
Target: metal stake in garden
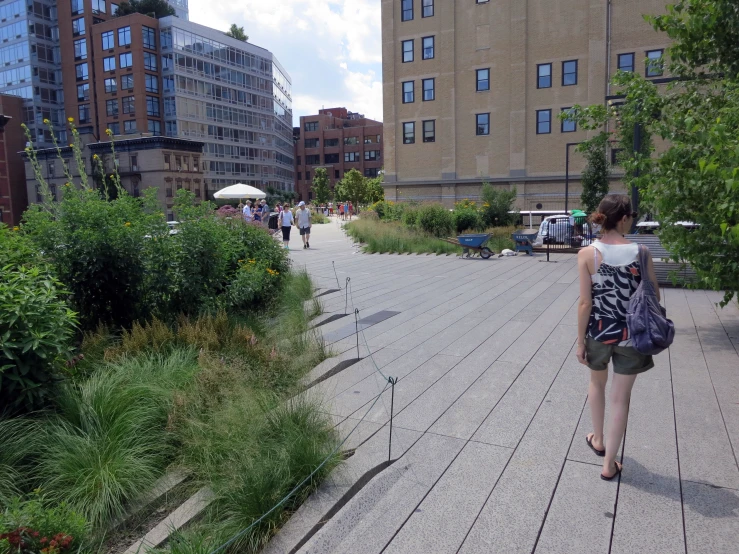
[(336, 275), (392, 382), (346, 294), (356, 327)]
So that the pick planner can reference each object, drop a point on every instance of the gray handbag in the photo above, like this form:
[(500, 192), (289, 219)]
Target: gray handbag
[(650, 330)]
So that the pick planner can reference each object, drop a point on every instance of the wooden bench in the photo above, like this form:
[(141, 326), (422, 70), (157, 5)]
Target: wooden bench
[(663, 266)]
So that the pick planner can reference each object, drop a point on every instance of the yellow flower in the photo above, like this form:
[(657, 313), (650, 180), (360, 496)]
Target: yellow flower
[(70, 119), (128, 223), (109, 132), (67, 184), (241, 261), (16, 228), (46, 122), (252, 261), (95, 157), (71, 145)]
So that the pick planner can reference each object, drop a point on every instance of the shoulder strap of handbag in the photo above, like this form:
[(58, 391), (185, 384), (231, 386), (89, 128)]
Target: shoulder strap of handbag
[(644, 263)]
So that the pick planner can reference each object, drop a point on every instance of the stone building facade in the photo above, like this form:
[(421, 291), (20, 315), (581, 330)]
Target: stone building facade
[(472, 91)]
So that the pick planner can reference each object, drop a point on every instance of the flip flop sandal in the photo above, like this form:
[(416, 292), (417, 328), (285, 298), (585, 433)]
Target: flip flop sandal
[(619, 469), (600, 453)]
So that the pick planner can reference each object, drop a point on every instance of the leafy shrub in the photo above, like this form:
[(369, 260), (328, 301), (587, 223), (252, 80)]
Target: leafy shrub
[(29, 527), (36, 327), (497, 203), (466, 218), (410, 216), (435, 219)]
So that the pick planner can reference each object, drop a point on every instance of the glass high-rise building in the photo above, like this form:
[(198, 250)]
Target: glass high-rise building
[(30, 63), (235, 97)]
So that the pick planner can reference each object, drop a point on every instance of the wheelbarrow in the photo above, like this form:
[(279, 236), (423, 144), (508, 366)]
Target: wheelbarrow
[(524, 241), (472, 244)]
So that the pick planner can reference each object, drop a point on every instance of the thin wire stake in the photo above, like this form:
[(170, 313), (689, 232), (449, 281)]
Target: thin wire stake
[(336, 275), (392, 410), (356, 324), (346, 294)]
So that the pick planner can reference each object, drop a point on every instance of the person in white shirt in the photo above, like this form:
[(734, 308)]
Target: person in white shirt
[(248, 215), (286, 222), (302, 217)]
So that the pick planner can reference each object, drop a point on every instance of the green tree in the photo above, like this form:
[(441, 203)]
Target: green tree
[(496, 205), (320, 187), (595, 177), (237, 32), (352, 187), (375, 192), (153, 8), (696, 178)]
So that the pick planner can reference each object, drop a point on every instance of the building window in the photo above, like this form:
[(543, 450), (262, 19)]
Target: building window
[(109, 63), (155, 127), (428, 48), (113, 9), (149, 37), (152, 83), (178, 163), (126, 82), (331, 158), (329, 142), (150, 61), (568, 125), (124, 36), (152, 106), (406, 7), (313, 159), (626, 62), (427, 8), (337, 174), (98, 6), (371, 155), (111, 107), (84, 113), (482, 121), (307, 175), (195, 163), (429, 91), (483, 79), (544, 75), (83, 92), (351, 156), (167, 62), (654, 63), (311, 143), (348, 141), (80, 49), (78, 6), (167, 162), (409, 132), (543, 122), (311, 126), (108, 40), (167, 84), (407, 92), (81, 71), (483, 1), (114, 127), (616, 156), (50, 169), (300, 175), (429, 131), (407, 51), (134, 159), (569, 73), (129, 105), (126, 60), (78, 26), (371, 171)]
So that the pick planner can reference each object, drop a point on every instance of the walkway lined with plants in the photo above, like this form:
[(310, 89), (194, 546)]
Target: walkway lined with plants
[(491, 416)]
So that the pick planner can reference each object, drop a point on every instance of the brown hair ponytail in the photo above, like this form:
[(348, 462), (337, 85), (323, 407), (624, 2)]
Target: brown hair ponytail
[(611, 210)]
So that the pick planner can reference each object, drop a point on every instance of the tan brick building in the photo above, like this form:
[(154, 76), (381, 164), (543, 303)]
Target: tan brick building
[(337, 140), (472, 91)]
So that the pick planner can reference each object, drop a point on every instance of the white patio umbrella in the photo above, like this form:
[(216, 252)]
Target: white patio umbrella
[(239, 192)]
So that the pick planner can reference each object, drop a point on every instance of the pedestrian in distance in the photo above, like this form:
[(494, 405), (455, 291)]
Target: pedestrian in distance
[(351, 210), (346, 210), (302, 217), (610, 273), (247, 211), (341, 211), (286, 222)]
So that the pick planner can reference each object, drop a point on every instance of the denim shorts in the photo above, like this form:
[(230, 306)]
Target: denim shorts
[(626, 360)]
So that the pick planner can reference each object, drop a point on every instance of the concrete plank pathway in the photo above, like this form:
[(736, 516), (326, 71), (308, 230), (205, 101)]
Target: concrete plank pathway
[(491, 414)]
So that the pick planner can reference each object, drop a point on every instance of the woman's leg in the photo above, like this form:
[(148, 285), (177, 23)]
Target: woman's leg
[(620, 396), (597, 401)]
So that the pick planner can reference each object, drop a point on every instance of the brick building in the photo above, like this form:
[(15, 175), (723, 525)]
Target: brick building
[(13, 198), (472, 90), (337, 140)]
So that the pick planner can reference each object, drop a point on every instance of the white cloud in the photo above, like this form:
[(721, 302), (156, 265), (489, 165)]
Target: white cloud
[(331, 48)]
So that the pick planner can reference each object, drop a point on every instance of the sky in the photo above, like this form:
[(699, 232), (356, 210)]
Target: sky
[(330, 48)]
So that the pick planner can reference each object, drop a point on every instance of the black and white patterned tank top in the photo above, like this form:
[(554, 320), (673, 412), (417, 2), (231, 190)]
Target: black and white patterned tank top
[(613, 284)]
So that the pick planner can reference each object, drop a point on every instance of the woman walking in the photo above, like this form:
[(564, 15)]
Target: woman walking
[(286, 223), (609, 275)]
